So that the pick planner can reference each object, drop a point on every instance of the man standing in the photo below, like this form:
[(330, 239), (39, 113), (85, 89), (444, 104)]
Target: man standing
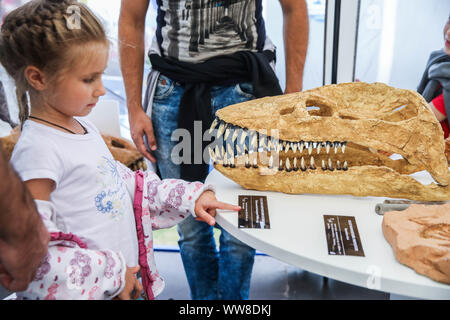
[(205, 55)]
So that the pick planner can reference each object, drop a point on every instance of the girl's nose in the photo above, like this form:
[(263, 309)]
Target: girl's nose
[(101, 91)]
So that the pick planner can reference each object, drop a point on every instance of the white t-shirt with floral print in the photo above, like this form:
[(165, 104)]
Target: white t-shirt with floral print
[(91, 200)]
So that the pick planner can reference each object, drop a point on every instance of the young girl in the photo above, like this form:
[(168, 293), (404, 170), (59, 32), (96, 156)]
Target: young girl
[(100, 214)]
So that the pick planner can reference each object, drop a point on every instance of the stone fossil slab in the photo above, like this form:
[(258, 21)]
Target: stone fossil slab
[(420, 238)]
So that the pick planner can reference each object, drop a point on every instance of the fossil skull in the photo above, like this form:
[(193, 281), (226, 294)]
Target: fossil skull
[(334, 139)]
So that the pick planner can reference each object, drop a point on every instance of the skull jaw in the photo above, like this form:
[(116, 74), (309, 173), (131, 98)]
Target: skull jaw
[(357, 181), (419, 151)]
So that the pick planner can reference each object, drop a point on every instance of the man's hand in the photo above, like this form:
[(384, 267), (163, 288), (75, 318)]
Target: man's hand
[(206, 205), (20, 258), (140, 125), (132, 56), (133, 288)]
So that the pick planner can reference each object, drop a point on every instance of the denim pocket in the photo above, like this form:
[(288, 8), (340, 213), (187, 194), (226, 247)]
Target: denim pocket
[(164, 87), (245, 89)]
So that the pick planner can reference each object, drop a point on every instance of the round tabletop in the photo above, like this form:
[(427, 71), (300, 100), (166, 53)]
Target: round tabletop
[(297, 236)]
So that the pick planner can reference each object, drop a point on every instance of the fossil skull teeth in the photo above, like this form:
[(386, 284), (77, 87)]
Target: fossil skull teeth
[(269, 144), (217, 152), (271, 162), (227, 132), (230, 150), (330, 165), (254, 142), (221, 129), (328, 146), (294, 146), (301, 146), (235, 135), (336, 144), (262, 144), (343, 146), (213, 125), (287, 147), (247, 161), (288, 165), (255, 163), (302, 164), (243, 136)]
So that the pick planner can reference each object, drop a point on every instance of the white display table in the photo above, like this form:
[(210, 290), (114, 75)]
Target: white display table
[(297, 236)]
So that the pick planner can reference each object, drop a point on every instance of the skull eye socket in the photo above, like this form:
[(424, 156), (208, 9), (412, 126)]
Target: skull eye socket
[(399, 108), (401, 113), (321, 111), (313, 109)]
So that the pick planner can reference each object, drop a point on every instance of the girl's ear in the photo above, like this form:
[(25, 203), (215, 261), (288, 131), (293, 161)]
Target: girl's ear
[(35, 78)]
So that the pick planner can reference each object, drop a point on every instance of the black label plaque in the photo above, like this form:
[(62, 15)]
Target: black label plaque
[(343, 236), (254, 213)]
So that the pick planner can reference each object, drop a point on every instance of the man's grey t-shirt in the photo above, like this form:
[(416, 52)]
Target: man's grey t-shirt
[(197, 30)]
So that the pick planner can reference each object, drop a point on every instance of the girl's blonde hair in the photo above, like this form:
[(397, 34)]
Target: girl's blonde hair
[(41, 33)]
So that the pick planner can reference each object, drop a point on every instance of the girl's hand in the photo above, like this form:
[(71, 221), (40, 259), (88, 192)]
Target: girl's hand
[(133, 288), (206, 205)]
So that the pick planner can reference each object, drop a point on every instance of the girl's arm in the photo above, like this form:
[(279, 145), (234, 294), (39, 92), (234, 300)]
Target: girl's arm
[(70, 270), (169, 201)]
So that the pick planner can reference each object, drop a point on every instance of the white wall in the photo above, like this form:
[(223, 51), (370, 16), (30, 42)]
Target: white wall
[(396, 38)]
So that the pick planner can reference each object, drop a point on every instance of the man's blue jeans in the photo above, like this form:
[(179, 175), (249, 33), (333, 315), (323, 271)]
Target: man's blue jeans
[(211, 274)]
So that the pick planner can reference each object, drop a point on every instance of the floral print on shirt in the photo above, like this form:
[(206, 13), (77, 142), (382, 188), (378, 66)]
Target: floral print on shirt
[(112, 199)]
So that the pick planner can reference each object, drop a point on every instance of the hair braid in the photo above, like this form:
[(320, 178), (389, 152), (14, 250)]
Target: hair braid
[(38, 34), (22, 100)]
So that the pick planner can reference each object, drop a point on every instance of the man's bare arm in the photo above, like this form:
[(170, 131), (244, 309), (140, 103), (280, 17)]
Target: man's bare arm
[(132, 48), (296, 34), (23, 236), (132, 55)]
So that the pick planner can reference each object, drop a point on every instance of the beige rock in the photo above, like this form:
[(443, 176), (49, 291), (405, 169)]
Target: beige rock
[(447, 149), (125, 152), (121, 149), (420, 238), (372, 121)]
